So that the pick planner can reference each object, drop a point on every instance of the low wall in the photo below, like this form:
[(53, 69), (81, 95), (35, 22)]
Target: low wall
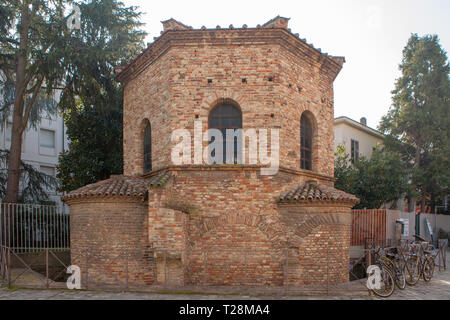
[(392, 216), (109, 241), (437, 222)]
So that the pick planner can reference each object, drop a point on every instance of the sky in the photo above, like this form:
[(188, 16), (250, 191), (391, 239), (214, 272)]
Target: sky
[(370, 34)]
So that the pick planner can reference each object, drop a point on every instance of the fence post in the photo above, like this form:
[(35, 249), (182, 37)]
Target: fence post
[(445, 255), (204, 267), (286, 286), (87, 269), (328, 271), (9, 267), (165, 267), (245, 268), (46, 268), (126, 272), (439, 255)]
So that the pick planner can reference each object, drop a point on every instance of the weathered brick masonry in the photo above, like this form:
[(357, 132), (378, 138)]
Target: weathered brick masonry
[(224, 224)]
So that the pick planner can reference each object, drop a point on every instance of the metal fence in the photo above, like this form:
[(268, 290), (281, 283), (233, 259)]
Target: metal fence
[(368, 224), (215, 271), (31, 227)]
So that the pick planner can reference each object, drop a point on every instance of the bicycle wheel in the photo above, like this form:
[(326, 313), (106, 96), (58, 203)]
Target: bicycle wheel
[(432, 262), (397, 271), (428, 270), (400, 278), (412, 270), (387, 284)]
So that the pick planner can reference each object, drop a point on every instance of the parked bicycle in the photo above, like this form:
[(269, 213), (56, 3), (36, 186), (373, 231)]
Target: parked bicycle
[(386, 285), (419, 262), (391, 259), (398, 266)]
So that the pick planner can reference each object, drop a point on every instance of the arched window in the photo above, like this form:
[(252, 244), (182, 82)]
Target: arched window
[(147, 148), (306, 133), (226, 116)]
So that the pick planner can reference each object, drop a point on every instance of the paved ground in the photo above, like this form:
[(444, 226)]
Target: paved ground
[(57, 294), (438, 288)]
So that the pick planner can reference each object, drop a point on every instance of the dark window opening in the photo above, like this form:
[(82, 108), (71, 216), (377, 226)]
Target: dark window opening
[(223, 117), (355, 151), (306, 132), (147, 148)]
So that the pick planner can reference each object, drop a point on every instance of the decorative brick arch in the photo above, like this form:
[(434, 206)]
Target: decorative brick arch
[(308, 226), (223, 95), (313, 119), (271, 231)]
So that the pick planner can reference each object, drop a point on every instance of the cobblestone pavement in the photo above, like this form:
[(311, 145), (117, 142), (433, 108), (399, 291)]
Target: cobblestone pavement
[(58, 294), (437, 289)]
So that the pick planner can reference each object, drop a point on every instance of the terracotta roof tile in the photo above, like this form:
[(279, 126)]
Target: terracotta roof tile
[(119, 185), (159, 180), (309, 192)]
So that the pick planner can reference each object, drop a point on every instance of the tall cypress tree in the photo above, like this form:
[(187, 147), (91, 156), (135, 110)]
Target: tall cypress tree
[(418, 122)]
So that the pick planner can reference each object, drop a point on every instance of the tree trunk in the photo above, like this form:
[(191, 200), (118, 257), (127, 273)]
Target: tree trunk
[(423, 203), (12, 189), (412, 205)]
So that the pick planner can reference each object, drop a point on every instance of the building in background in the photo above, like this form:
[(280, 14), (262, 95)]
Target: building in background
[(360, 140), (41, 146), (357, 138)]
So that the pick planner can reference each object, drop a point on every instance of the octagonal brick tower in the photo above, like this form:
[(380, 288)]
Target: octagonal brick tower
[(270, 73), (230, 224)]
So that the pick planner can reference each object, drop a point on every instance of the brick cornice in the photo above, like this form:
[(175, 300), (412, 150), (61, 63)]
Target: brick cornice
[(305, 173), (317, 204), (107, 199), (251, 36)]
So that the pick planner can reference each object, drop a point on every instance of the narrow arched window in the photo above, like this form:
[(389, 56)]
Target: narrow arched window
[(147, 148), (306, 132), (226, 116)]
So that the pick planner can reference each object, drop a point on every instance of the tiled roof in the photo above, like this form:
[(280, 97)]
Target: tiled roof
[(119, 185), (277, 22), (309, 192), (159, 180)]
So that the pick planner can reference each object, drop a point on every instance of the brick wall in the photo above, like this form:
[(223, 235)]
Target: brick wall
[(234, 233), (321, 233), (222, 225), (172, 91), (109, 238)]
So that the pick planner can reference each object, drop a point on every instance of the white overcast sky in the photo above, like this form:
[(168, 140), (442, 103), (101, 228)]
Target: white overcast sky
[(371, 34)]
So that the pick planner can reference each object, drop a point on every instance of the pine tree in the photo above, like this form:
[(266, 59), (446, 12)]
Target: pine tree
[(40, 54)]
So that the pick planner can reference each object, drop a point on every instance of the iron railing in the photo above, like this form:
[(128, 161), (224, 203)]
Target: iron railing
[(33, 227), (368, 224)]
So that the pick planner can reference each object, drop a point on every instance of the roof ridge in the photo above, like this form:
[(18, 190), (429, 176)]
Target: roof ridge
[(116, 185), (311, 191)]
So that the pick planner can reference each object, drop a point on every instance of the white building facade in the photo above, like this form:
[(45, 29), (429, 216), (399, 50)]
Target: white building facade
[(357, 138), (41, 146)]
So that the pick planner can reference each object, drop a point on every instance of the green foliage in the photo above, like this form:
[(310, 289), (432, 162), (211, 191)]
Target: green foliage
[(375, 181), (40, 57), (34, 184), (29, 32), (92, 99), (95, 151), (418, 122), (109, 36)]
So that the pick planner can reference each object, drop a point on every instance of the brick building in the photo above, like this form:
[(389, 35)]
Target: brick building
[(222, 224)]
